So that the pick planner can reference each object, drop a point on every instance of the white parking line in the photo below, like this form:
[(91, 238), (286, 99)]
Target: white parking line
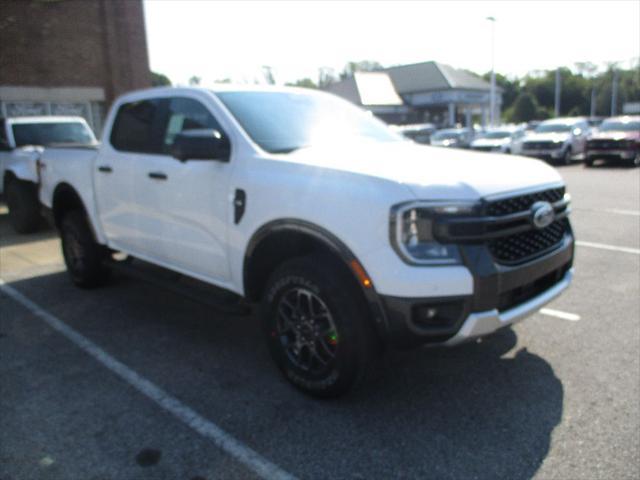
[(617, 211), (603, 246), (572, 317), (242, 453), (633, 213)]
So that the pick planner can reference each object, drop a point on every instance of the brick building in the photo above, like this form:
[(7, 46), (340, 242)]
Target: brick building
[(70, 57)]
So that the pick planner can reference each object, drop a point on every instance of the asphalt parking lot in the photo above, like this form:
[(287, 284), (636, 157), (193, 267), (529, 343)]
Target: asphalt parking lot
[(133, 381)]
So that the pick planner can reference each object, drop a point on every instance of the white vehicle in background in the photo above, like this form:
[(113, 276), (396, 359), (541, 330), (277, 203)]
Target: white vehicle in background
[(418, 132), (558, 140), (504, 139), (22, 141), (452, 138)]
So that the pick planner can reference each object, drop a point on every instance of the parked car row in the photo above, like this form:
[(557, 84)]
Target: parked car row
[(558, 141)]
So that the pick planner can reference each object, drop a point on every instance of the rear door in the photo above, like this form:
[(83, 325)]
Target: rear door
[(136, 133)]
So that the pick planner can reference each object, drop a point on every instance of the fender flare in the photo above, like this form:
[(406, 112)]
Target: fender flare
[(329, 240)]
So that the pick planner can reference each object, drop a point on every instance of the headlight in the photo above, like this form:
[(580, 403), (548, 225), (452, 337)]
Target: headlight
[(411, 232)]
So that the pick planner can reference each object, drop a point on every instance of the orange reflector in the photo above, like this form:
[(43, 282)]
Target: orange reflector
[(361, 274)]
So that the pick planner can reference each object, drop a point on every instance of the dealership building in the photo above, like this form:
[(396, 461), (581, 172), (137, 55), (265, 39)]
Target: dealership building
[(70, 57), (421, 92)]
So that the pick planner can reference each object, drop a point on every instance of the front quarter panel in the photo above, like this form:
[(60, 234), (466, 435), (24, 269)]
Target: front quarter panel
[(354, 208)]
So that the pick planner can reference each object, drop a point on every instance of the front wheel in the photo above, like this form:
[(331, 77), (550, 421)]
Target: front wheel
[(24, 208), (317, 326), (566, 158), (84, 257)]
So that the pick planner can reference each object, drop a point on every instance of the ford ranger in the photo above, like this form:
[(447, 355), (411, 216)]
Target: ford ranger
[(22, 140), (347, 237)]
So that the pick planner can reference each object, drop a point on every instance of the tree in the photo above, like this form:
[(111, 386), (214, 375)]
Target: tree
[(303, 82), (524, 109), (194, 80), (510, 88), (159, 80), (362, 66)]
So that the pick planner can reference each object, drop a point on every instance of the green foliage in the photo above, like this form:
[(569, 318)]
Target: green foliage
[(160, 80), (362, 66), (303, 82), (524, 108)]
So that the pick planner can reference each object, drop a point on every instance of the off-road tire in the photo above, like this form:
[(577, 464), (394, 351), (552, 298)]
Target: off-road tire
[(84, 257), (356, 344)]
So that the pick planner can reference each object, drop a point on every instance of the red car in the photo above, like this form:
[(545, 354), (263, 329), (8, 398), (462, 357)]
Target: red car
[(617, 138)]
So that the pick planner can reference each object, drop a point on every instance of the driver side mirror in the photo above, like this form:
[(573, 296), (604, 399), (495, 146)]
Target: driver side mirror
[(201, 144), (577, 131)]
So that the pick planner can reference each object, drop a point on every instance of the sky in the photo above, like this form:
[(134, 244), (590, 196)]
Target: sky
[(215, 39)]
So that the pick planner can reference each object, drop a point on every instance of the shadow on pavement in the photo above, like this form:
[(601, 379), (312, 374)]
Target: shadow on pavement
[(481, 410), (9, 237)]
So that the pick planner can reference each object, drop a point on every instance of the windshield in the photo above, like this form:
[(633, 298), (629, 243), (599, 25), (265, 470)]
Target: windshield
[(281, 122), (553, 128), (497, 134), (618, 126), (446, 135), (46, 134)]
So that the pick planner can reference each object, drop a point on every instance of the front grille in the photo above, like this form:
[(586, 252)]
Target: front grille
[(483, 149), (523, 246), (546, 145), (523, 202), (605, 144)]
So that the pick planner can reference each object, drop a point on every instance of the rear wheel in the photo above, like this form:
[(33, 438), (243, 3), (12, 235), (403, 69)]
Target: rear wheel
[(24, 208), (84, 257), (635, 162), (317, 326), (589, 161)]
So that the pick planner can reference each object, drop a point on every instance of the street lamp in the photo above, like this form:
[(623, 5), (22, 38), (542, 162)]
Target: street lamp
[(492, 92)]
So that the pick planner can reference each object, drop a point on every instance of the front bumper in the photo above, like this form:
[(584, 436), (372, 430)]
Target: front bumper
[(611, 154), (483, 323), (555, 154), (502, 295)]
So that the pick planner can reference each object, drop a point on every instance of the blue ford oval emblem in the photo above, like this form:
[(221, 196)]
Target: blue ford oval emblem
[(542, 214)]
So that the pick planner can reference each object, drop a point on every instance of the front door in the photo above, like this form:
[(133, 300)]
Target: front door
[(182, 207)]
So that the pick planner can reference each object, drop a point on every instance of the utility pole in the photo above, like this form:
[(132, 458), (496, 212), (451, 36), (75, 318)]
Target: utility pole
[(492, 92), (614, 93), (593, 101), (558, 88)]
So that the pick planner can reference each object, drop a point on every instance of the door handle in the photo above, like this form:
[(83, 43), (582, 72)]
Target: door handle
[(105, 169), (157, 175)]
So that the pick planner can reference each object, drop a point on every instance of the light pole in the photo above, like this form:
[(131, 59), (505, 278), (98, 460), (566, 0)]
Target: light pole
[(492, 92)]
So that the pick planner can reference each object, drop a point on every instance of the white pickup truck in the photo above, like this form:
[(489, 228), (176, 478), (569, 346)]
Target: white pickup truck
[(22, 142), (346, 235)]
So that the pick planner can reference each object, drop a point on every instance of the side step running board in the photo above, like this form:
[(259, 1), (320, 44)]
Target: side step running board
[(217, 298)]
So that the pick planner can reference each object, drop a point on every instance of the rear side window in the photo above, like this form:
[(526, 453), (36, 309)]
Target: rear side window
[(51, 134), (139, 126), (186, 114)]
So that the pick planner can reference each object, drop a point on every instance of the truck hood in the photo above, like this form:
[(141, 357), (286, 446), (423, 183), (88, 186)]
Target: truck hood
[(430, 172), (615, 135), (551, 136)]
